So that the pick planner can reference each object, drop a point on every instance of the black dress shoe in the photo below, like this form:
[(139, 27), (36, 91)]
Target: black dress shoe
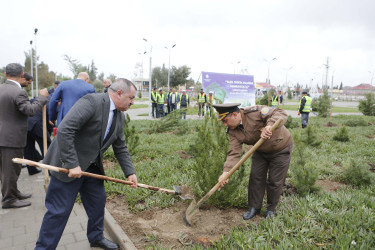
[(251, 213), (105, 244), (22, 196), (270, 214), (16, 204)]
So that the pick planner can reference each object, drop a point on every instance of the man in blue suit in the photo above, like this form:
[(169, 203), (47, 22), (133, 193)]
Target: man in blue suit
[(68, 92)]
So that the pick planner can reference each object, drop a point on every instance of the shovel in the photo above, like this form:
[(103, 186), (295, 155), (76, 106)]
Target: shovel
[(193, 208), (177, 190)]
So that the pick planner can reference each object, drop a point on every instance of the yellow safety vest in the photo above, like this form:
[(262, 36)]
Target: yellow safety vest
[(202, 97), (160, 98), (154, 94), (307, 107), (274, 101)]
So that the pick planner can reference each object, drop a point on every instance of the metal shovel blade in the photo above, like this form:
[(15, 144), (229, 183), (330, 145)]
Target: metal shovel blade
[(183, 192)]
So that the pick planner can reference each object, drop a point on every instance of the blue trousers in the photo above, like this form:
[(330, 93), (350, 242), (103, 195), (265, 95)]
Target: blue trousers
[(59, 202), (305, 119), (160, 111)]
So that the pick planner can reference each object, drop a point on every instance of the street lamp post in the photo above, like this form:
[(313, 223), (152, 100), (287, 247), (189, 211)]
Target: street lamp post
[(269, 66), (169, 67), (150, 81), (234, 66), (372, 77), (31, 68), (36, 63), (286, 79)]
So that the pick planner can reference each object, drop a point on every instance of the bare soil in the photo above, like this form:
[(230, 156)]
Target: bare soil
[(166, 227), (329, 185), (330, 124)]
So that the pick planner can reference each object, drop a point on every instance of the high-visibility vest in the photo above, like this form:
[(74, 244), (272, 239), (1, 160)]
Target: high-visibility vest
[(160, 98), (154, 94), (307, 107), (274, 101), (202, 97), (187, 99)]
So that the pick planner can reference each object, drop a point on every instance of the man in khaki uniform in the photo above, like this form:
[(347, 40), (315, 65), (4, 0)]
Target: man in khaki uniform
[(272, 158)]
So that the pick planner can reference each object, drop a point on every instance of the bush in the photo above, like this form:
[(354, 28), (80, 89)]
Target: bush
[(322, 105), (357, 175), (290, 96), (131, 137), (170, 122), (263, 101), (291, 123), (305, 174), (310, 137), (139, 94), (210, 150), (356, 123), (341, 134), (367, 107)]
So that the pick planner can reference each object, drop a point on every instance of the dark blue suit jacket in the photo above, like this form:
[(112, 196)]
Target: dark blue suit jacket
[(68, 92)]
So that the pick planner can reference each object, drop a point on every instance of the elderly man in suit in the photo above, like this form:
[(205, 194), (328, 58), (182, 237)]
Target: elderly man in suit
[(14, 110), (68, 92), (93, 124)]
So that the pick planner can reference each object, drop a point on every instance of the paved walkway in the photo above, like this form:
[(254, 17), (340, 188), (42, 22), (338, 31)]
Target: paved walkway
[(19, 228)]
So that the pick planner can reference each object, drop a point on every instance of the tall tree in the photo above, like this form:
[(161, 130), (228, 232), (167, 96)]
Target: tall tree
[(160, 76), (340, 86), (112, 77), (75, 66), (92, 71), (179, 75), (46, 77)]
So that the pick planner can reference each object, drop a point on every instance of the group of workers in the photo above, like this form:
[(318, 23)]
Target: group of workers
[(89, 123)]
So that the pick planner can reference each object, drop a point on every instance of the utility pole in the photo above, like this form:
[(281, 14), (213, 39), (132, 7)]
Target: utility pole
[(327, 68), (31, 68), (36, 64), (150, 82)]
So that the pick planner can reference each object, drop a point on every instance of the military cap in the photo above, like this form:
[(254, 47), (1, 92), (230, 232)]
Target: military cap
[(304, 92), (225, 109), (154, 88), (160, 90)]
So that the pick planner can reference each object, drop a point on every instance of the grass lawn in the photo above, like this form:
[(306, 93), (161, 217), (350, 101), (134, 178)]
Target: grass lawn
[(329, 220)]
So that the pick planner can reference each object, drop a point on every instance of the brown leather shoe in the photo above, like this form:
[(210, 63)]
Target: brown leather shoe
[(22, 196), (16, 204)]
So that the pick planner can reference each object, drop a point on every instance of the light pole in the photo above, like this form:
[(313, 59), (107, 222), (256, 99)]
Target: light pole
[(169, 67), (269, 65), (31, 68), (141, 54), (150, 81), (36, 63), (372, 77), (286, 79), (234, 66)]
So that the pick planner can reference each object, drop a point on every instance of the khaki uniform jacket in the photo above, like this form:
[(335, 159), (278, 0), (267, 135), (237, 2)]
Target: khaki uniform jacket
[(254, 119)]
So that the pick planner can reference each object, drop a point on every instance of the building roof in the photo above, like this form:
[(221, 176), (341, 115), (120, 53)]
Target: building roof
[(363, 86), (264, 85)]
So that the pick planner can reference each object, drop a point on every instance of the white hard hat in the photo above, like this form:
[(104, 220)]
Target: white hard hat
[(211, 92)]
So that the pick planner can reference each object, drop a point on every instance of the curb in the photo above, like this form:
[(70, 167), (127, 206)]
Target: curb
[(116, 233)]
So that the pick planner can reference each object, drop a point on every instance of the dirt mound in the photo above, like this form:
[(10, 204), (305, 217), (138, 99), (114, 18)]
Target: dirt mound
[(330, 124), (329, 185), (167, 228)]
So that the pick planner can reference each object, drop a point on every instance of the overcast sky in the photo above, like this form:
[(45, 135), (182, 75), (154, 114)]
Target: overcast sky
[(210, 35)]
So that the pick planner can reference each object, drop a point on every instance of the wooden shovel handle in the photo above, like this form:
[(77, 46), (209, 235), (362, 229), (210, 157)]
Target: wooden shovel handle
[(238, 165), (96, 176)]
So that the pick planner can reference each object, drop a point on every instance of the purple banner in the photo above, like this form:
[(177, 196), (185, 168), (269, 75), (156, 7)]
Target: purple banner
[(230, 88)]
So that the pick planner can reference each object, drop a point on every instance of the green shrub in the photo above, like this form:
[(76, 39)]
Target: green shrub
[(367, 107), (139, 94), (131, 137), (263, 101), (322, 105), (341, 134), (290, 96), (356, 123), (305, 174), (210, 150), (357, 175), (310, 137), (291, 123), (169, 123)]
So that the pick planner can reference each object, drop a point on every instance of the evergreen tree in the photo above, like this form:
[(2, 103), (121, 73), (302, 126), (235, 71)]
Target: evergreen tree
[(209, 151), (367, 107), (131, 137), (290, 96)]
